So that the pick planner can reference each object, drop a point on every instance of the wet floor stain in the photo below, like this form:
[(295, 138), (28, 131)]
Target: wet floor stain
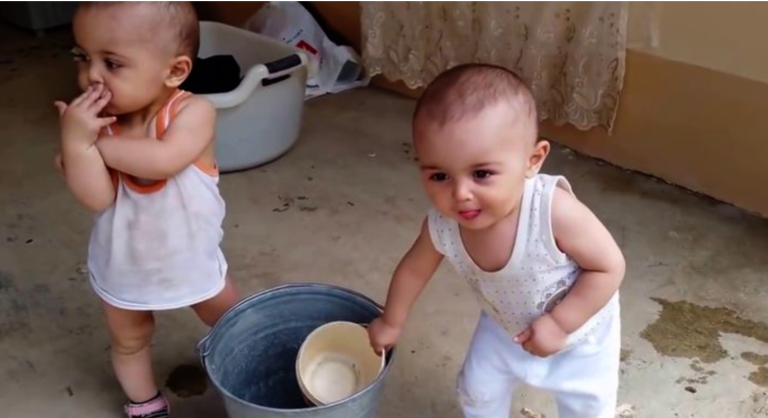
[(187, 380), (698, 368), (759, 376), (687, 330), (701, 379), (754, 358)]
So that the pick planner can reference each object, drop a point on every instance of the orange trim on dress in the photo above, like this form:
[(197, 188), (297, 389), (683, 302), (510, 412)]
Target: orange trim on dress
[(162, 120), (205, 167), (130, 180), (171, 111)]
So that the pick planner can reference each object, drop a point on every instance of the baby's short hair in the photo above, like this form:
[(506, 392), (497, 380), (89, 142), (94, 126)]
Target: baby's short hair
[(466, 90), (183, 17), (177, 16)]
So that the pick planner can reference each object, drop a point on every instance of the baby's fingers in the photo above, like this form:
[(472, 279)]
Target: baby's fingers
[(104, 122), (375, 341), (378, 342), (380, 349), (83, 97), (377, 348), (61, 107), (91, 97), (102, 101), (58, 162), (524, 336)]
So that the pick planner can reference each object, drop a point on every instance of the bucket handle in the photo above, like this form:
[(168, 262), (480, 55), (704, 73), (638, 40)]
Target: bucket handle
[(383, 356), (257, 76), (203, 351), (284, 66)]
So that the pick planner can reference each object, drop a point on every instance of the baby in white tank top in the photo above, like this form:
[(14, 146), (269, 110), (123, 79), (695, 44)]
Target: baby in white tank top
[(543, 267), (139, 153)]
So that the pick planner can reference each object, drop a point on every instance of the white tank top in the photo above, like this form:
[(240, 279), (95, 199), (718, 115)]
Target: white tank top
[(157, 246), (537, 276)]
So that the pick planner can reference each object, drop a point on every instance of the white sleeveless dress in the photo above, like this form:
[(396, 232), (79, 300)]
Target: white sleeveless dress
[(537, 276), (158, 246)]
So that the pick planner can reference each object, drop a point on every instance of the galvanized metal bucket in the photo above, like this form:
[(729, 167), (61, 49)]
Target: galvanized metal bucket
[(250, 355)]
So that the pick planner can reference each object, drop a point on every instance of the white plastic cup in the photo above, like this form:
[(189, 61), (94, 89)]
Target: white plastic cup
[(335, 362)]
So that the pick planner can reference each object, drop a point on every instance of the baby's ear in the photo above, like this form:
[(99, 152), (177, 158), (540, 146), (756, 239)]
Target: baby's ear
[(180, 68), (536, 160)]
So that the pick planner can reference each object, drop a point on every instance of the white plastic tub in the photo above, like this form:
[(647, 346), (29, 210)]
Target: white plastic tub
[(261, 119)]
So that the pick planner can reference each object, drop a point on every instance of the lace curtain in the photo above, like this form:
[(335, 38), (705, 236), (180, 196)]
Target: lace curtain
[(572, 54)]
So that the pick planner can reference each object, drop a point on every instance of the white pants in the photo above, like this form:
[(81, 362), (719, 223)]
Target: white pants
[(584, 378)]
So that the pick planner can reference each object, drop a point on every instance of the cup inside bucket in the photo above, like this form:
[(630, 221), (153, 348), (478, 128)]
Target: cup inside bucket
[(335, 362), (252, 352)]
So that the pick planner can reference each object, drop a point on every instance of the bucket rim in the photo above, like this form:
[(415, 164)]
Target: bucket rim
[(204, 350)]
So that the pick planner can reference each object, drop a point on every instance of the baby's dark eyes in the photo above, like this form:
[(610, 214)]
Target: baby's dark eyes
[(477, 174), (438, 177), (78, 56), (112, 65), (482, 174)]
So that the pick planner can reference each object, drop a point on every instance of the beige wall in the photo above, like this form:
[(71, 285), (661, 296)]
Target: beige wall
[(699, 128), (724, 36), (693, 107)]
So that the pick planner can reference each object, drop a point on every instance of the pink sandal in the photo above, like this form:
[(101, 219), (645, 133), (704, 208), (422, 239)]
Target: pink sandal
[(155, 408)]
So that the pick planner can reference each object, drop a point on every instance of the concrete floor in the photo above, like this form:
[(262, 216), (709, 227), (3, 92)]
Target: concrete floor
[(361, 208)]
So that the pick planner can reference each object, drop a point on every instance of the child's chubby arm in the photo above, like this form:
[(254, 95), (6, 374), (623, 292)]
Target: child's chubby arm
[(411, 277), (584, 238), (86, 174), (189, 135)]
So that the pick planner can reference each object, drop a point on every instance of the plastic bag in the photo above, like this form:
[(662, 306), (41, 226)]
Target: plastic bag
[(332, 68)]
